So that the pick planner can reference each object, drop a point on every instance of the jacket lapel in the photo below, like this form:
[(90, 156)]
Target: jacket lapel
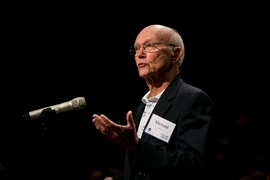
[(164, 102)]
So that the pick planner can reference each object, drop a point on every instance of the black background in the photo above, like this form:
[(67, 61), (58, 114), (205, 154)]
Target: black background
[(53, 53)]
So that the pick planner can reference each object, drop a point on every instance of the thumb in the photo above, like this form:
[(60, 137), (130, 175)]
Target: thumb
[(130, 120)]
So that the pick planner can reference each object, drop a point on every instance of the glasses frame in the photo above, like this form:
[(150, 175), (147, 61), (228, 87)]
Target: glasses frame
[(133, 50)]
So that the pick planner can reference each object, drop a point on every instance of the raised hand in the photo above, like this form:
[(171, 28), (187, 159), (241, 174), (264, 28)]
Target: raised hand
[(124, 135)]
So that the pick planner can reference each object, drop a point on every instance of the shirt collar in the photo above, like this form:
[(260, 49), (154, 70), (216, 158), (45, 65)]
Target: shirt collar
[(153, 99)]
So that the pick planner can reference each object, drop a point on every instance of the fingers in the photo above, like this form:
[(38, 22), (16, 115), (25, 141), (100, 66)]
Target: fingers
[(101, 121), (101, 118), (97, 120)]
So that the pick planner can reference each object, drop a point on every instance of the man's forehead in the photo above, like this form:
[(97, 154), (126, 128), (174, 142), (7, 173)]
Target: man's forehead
[(151, 34), (144, 37)]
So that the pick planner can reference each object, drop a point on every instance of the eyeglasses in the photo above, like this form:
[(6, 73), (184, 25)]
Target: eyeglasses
[(149, 47)]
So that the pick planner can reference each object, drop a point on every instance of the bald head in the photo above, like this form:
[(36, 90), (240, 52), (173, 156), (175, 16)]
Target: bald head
[(166, 35)]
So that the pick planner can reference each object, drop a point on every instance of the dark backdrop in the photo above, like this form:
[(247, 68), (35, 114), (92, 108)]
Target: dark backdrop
[(54, 53)]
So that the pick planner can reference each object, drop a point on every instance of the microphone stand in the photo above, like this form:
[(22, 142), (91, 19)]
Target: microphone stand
[(43, 117), (43, 164)]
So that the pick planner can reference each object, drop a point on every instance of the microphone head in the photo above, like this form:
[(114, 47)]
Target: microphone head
[(74, 104), (78, 103)]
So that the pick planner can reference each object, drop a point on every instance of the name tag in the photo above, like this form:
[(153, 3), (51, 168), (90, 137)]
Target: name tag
[(160, 128)]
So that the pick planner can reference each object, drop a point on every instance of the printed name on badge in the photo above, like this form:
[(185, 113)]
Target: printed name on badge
[(160, 128)]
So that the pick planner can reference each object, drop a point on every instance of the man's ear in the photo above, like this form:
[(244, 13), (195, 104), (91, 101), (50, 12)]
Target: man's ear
[(178, 52)]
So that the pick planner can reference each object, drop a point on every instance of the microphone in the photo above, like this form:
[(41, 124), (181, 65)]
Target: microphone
[(74, 104)]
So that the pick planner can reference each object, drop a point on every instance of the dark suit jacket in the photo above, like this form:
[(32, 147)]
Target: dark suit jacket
[(184, 156)]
